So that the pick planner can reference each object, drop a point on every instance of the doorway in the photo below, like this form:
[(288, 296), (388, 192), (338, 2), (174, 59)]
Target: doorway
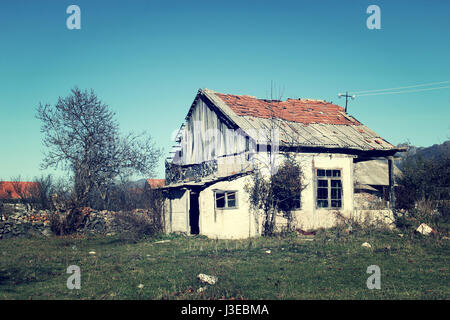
[(194, 213)]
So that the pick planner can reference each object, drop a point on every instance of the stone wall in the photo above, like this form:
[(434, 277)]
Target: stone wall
[(16, 220), (20, 222)]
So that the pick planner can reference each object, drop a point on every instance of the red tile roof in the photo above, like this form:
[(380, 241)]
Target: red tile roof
[(7, 190), (155, 183), (296, 110)]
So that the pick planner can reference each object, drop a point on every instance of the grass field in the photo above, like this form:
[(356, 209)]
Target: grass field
[(328, 266)]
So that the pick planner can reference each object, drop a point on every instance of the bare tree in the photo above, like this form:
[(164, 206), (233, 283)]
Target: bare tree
[(25, 192), (279, 192), (82, 137), (42, 191)]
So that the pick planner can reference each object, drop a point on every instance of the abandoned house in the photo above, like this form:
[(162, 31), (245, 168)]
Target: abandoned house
[(225, 137)]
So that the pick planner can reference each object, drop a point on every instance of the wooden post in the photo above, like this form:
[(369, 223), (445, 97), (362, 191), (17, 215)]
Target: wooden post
[(391, 185)]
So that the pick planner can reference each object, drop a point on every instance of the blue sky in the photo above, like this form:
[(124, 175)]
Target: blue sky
[(147, 59)]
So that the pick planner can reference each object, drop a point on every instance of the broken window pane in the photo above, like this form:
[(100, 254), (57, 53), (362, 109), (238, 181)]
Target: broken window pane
[(322, 183), (336, 183), (322, 203), (220, 200), (336, 203), (231, 197), (226, 199), (336, 173), (335, 193), (322, 193)]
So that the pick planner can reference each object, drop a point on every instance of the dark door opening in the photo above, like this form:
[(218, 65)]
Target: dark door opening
[(194, 213)]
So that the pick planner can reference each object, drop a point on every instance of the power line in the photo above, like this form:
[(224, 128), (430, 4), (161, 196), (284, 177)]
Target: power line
[(398, 92), (414, 86)]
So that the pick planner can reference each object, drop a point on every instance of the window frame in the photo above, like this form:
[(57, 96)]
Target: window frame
[(329, 188), (226, 192)]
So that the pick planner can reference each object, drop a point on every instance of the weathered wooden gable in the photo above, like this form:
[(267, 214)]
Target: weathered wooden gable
[(208, 136)]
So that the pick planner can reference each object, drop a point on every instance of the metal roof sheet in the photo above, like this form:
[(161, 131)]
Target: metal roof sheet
[(314, 130), (374, 172)]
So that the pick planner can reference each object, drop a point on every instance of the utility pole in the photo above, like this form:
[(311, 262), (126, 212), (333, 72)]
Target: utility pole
[(346, 98)]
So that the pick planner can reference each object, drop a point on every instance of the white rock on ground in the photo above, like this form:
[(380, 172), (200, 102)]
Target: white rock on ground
[(207, 279), (424, 229), (366, 245), (162, 241)]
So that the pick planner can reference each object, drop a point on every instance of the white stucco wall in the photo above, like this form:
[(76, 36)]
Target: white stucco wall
[(238, 223), (311, 217), (242, 222)]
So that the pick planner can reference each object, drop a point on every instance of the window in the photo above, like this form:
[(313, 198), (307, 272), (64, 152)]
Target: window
[(226, 199), (329, 188)]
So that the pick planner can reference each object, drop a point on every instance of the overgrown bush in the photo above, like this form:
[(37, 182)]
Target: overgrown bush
[(65, 223), (423, 193), (423, 180), (275, 194), (137, 225), (144, 223), (67, 218)]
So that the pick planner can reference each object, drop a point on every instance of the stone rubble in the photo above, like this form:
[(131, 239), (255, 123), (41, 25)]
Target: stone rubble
[(22, 222)]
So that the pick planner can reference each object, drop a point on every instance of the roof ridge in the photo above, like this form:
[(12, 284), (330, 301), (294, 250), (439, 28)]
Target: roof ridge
[(266, 99)]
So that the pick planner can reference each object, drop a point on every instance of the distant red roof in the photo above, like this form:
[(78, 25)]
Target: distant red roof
[(156, 183), (296, 110), (8, 189)]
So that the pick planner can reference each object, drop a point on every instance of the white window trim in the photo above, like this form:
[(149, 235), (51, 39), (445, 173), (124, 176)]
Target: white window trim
[(317, 178)]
